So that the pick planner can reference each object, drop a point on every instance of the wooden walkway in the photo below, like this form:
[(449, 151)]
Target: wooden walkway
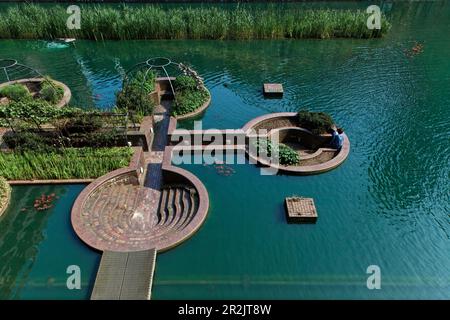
[(125, 276)]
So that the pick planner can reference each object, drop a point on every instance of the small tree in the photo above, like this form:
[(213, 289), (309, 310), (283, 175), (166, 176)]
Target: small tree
[(316, 122)]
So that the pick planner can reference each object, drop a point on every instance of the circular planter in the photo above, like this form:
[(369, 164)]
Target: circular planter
[(33, 85), (293, 135)]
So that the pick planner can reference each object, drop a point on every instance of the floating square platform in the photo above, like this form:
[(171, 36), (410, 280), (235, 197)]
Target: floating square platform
[(273, 90), (300, 210)]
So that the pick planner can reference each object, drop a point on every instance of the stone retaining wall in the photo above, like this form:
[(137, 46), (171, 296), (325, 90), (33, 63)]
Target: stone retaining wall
[(4, 204)]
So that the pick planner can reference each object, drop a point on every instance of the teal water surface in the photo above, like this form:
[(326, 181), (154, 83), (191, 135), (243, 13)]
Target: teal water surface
[(387, 205), (37, 247)]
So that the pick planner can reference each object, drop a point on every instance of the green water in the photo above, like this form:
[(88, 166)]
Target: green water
[(387, 205), (36, 247)]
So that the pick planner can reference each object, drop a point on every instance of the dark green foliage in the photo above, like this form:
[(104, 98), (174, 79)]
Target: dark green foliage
[(84, 122), (51, 92), (15, 92), (188, 101), (189, 95), (134, 96), (316, 122), (73, 127), (287, 155), (211, 22), (29, 141), (33, 113), (109, 138), (145, 80), (183, 83)]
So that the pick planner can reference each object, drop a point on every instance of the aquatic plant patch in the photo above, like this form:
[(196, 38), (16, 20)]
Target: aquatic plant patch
[(212, 22), (69, 163)]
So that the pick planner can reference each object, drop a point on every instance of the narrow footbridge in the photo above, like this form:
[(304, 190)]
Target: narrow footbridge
[(125, 276)]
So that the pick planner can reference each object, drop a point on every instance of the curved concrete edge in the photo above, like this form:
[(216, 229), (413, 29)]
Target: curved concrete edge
[(196, 112), (299, 170), (200, 216), (203, 198), (134, 169), (67, 93), (252, 123), (5, 205), (312, 169)]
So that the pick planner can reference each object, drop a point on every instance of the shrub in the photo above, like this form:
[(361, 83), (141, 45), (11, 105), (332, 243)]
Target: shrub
[(15, 92), (51, 92), (97, 139), (83, 123), (316, 122), (189, 96), (183, 83), (286, 155), (144, 80), (134, 96), (188, 101), (29, 141)]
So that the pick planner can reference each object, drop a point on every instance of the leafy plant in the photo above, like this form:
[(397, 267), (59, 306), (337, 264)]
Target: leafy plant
[(286, 155), (29, 141), (188, 101), (15, 92), (51, 92), (82, 123), (134, 96), (316, 122), (185, 83), (145, 80)]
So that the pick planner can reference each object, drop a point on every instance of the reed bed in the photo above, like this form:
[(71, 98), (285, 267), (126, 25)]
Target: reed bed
[(70, 163), (28, 21)]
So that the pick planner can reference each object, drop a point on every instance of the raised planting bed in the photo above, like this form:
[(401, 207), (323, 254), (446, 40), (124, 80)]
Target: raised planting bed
[(69, 163), (56, 93), (313, 150), (191, 97), (5, 195)]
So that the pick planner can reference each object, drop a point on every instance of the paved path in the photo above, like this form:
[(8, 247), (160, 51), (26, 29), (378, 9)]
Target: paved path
[(125, 276)]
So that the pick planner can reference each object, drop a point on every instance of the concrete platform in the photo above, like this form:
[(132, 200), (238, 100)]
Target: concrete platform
[(274, 90), (300, 210)]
